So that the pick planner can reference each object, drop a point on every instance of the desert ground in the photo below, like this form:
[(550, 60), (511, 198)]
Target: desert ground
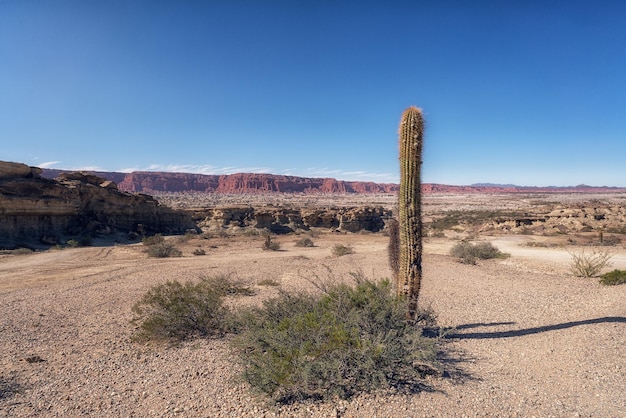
[(523, 336)]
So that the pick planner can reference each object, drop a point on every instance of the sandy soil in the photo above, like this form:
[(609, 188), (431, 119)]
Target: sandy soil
[(526, 338)]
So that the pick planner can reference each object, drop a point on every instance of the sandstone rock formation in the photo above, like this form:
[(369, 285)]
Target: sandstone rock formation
[(284, 220), (34, 209), (147, 182), (150, 182), (600, 217)]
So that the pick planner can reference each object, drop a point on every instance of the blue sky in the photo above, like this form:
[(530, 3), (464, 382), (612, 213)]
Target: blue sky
[(523, 92)]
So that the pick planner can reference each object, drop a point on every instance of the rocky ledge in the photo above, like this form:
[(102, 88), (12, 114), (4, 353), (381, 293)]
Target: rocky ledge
[(281, 220), (36, 210)]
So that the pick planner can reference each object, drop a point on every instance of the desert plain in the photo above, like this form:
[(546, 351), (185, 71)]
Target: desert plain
[(521, 336)]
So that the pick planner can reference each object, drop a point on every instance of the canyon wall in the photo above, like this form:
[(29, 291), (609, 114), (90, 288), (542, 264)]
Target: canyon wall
[(147, 182), (37, 210), (153, 181)]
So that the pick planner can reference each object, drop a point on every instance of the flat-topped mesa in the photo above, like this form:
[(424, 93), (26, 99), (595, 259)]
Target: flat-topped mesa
[(153, 181), (34, 209), (244, 183)]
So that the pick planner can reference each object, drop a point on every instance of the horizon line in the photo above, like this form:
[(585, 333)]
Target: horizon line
[(474, 185)]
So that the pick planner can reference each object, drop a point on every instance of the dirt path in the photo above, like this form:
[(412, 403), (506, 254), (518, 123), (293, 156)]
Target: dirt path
[(524, 337)]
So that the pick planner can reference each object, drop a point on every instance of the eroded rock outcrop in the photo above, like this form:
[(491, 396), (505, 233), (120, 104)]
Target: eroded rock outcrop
[(284, 220), (35, 209)]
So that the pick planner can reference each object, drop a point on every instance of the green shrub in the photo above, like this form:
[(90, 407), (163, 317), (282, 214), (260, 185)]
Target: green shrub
[(589, 264), (163, 250), (305, 242), (614, 277), (467, 252), (73, 243), (175, 312), (350, 339), (153, 240), (340, 250), (199, 251)]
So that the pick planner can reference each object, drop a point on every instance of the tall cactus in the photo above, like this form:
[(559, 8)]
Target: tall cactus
[(410, 134)]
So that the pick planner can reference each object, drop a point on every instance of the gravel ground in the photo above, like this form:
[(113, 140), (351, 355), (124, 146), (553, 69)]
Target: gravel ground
[(520, 341)]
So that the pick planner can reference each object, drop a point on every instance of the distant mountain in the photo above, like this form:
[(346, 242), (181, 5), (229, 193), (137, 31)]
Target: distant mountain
[(508, 186), (157, 182), (150, 182)]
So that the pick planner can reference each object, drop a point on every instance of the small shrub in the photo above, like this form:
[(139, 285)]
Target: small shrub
[(348, 340), (187, 237), (175, 312), (341, 250), (22, 251), (227, 286), (153, 240), (73, 243), (163, 250), (269, 245), (590, 264), (199, 251), (467, 252), (250, 232), (610, 240), (614, 277), (305, 242), (537, 244), (486, 251)]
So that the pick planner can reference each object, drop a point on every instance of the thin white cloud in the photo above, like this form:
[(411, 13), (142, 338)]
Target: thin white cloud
[(358, 175), (200, 169), (48, 164)]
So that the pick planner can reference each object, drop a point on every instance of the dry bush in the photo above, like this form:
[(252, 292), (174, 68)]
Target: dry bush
[(163, 250), (269, 245), (468, 253), (305, 242), (586, 264), (340, 250), (152, 240)]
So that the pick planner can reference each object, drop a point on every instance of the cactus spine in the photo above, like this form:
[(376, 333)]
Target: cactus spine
[(410, 207)]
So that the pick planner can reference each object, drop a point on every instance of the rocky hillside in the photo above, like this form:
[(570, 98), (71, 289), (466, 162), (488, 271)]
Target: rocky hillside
[(37, 210)]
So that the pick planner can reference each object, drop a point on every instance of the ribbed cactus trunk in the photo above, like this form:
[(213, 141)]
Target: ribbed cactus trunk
[(410, 207)]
